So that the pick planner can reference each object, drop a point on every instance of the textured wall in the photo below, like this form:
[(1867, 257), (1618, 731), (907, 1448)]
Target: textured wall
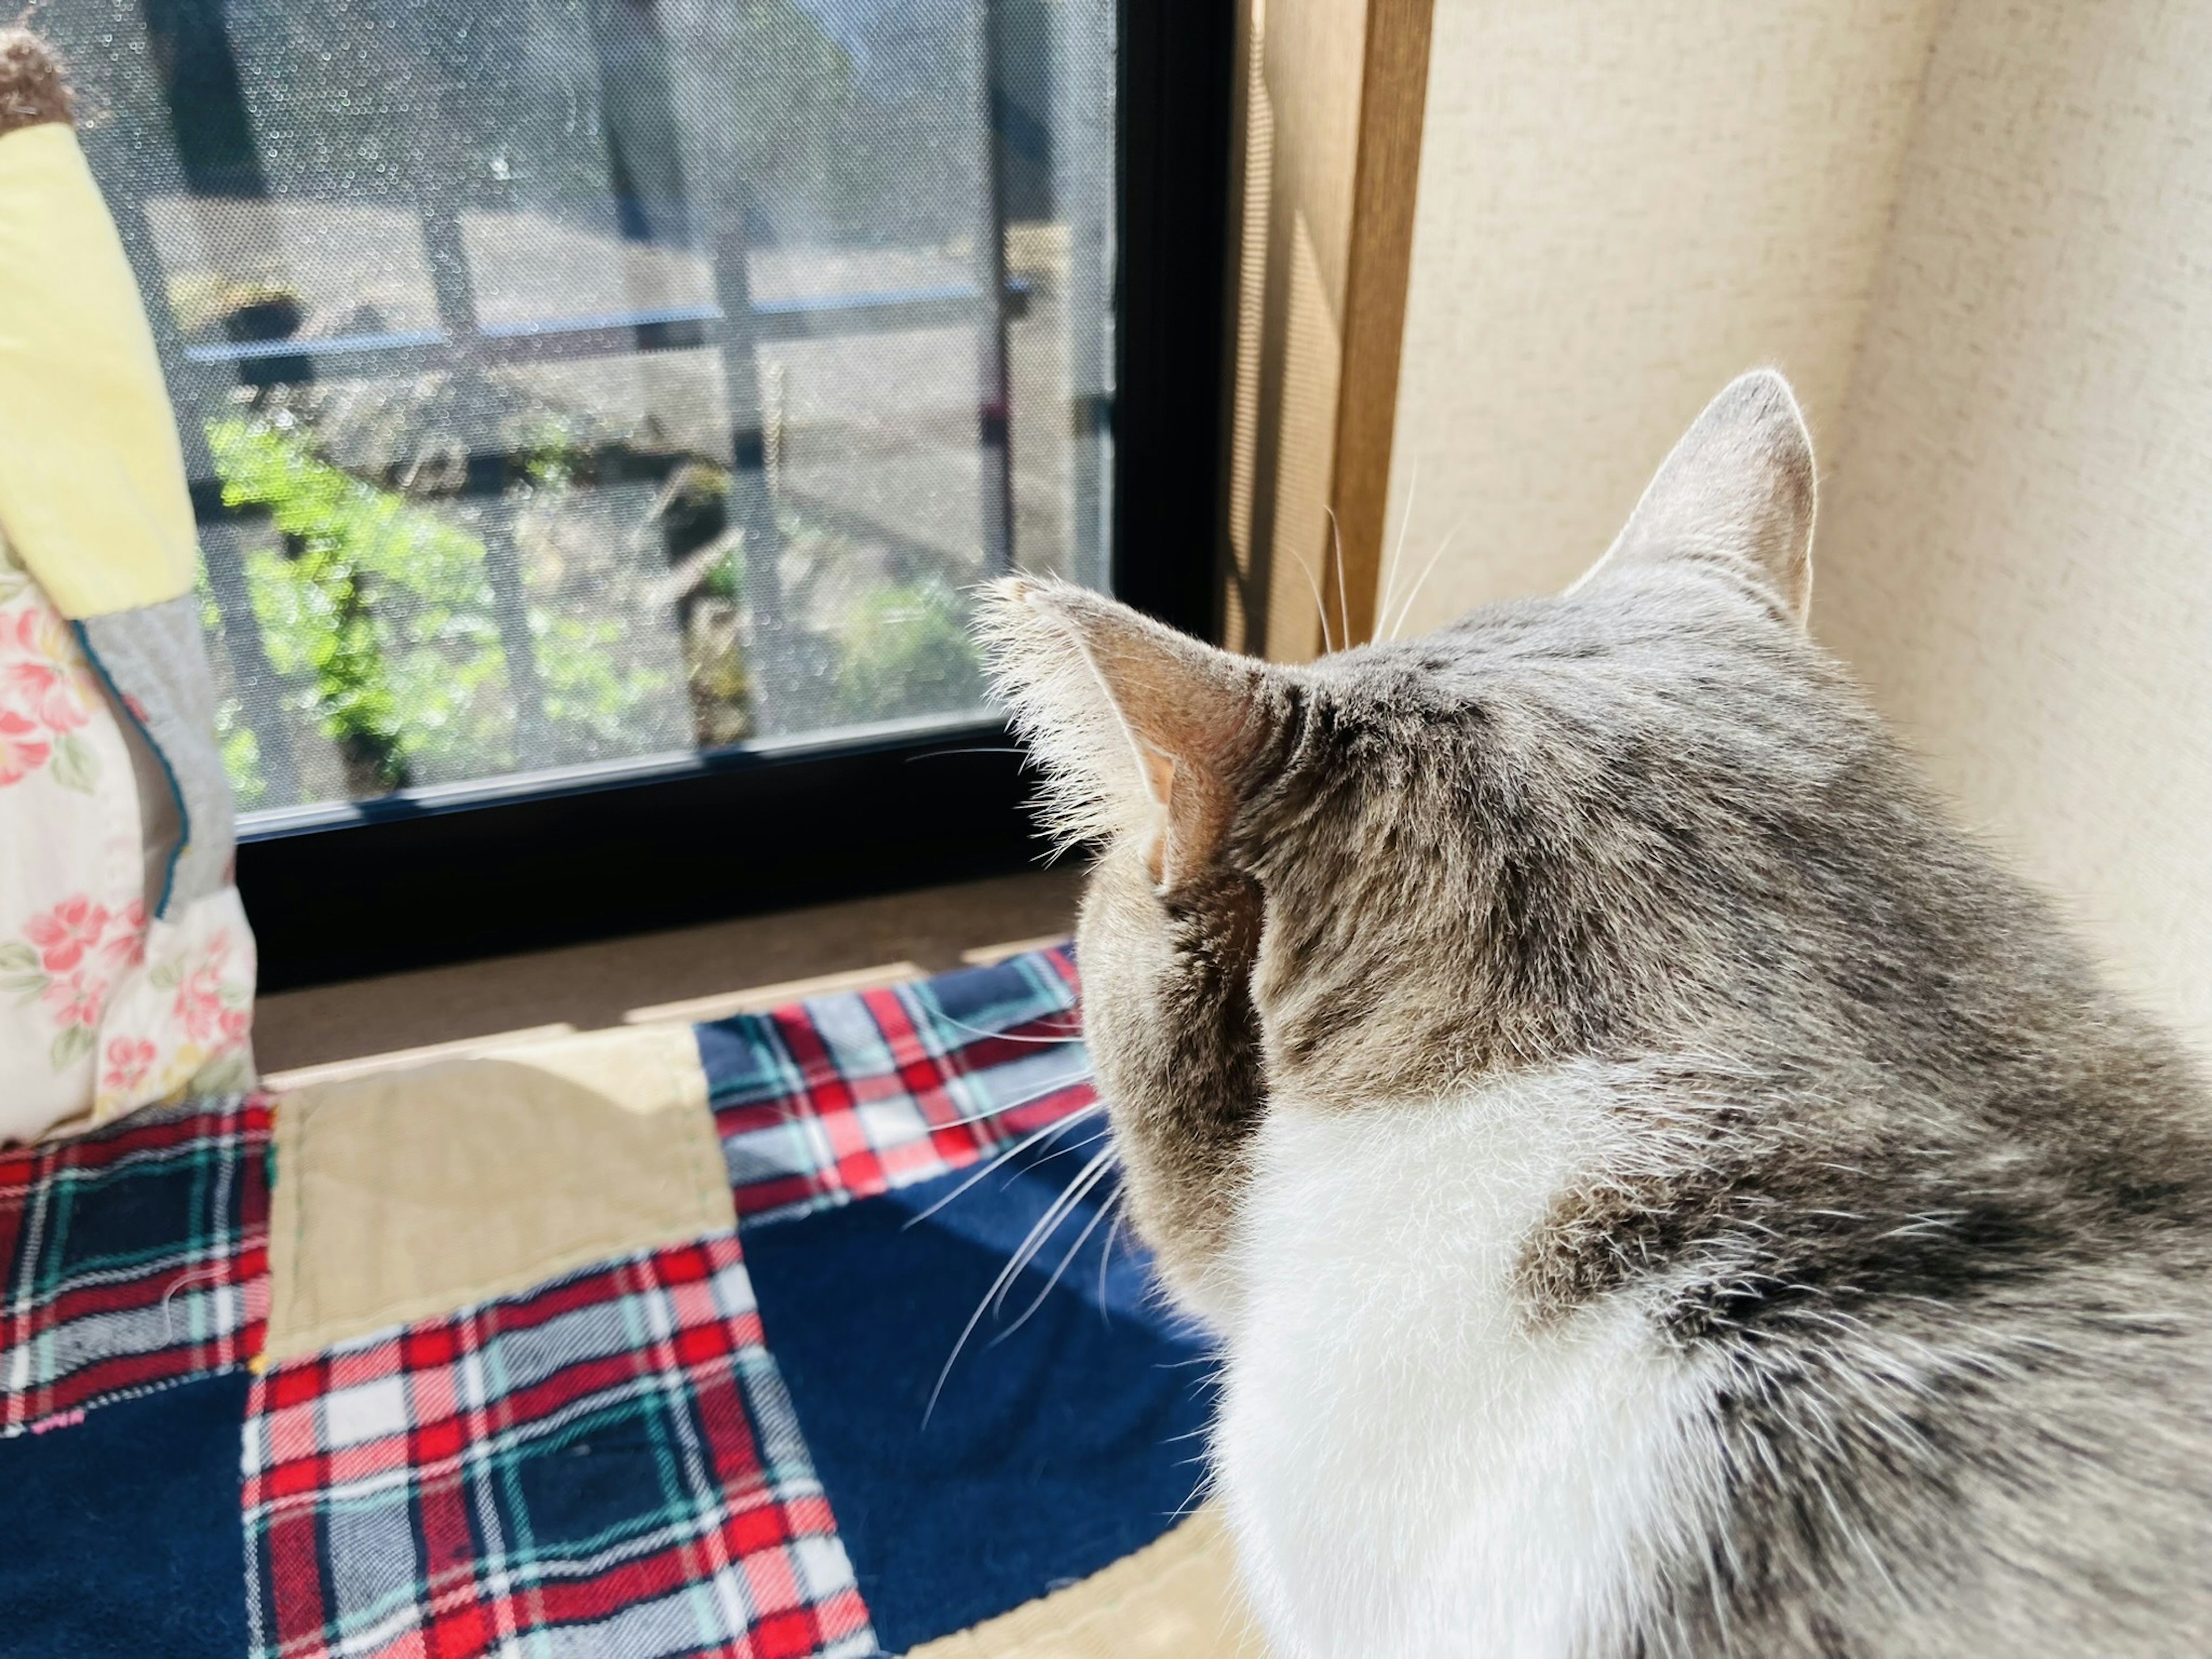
[(1622, 206), (2016, 541)]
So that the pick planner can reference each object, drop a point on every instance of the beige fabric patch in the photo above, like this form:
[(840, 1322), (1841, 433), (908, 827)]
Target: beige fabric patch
[(407, 1194), (1175, 1599)]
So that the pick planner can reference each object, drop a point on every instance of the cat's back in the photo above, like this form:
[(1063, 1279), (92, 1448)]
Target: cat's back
[(1937, 1381), (1929, 1207), (1967, 1395)]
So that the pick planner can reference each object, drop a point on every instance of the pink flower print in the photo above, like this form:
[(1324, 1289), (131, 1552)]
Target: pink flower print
[(75, 1000), (49, 679), (129, 1061), (200, 1008), (20, 754), (46, 690), (65, 933), (126, 937)]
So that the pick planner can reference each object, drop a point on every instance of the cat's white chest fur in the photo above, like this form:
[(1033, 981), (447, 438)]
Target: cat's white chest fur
[(1413, 1470)]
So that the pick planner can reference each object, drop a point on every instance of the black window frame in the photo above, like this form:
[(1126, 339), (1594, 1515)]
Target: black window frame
[(436, 876)]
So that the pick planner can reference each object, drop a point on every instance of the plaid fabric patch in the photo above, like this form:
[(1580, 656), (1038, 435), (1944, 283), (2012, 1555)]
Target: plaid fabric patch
[(848, 1096), (134, 1257), (607, 1465)]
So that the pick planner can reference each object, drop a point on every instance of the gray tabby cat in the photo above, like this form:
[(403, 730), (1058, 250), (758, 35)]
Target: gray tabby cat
[(1661, 1189)]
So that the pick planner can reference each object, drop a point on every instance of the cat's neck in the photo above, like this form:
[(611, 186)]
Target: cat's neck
[(1393, 1417)]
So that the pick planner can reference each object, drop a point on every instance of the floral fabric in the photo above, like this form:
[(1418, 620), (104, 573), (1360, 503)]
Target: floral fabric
[(102, 1010)]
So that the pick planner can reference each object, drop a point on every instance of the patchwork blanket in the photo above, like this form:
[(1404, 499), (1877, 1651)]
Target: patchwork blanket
[(802, 1333)]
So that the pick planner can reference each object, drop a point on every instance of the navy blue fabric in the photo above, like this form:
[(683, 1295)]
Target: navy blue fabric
[(1052, 1451), (124, 1534)]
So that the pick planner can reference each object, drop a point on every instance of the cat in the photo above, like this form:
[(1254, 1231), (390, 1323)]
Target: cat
[(1660, 1188)]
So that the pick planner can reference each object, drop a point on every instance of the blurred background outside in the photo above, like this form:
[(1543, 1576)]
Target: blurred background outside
[(576, 383)]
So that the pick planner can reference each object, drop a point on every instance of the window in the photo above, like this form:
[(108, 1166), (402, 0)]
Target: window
[(582, 393)]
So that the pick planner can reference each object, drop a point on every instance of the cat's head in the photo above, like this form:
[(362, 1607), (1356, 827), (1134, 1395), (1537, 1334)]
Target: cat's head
[(1558, 826)]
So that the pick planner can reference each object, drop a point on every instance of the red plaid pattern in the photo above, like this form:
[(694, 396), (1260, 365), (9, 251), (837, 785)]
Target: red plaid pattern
[(608, 1465), (847, 1095), (133, 1257)]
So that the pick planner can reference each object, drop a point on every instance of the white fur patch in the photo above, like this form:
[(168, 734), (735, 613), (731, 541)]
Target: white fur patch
[(1411, 1468)]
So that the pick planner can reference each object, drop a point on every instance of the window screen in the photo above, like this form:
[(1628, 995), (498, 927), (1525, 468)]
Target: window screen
[(575, 383)]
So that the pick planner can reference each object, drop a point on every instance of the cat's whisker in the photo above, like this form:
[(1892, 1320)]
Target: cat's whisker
[(1035, 1239), (1321, 606), (1074, 1034), (1045, 1093), (1414, 592), (1114, 1205), (1014, 1150), (1006, 1276), (1336, 552), (1393, 566), (1073, 1250), (186, 1280), (1073, 1146), (1189, 1506)]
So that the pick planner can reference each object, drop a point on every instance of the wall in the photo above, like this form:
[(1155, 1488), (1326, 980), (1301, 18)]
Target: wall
[(1978, 233), (2015, 547), (1621, 206)]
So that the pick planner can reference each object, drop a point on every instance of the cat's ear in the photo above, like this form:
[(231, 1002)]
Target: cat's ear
[(1736, 492), (1143, 732)]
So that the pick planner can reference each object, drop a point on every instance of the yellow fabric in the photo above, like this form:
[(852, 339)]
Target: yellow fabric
[(407, 1194), (92, 483), (1174, 1599)]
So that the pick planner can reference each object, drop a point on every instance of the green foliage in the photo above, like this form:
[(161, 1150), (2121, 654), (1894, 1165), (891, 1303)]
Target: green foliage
[(384, 606), (726, 578), (241, 753), (548, 454), (382, 611), (584, 692), (906, 651), (377, 612), (235, 737)]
